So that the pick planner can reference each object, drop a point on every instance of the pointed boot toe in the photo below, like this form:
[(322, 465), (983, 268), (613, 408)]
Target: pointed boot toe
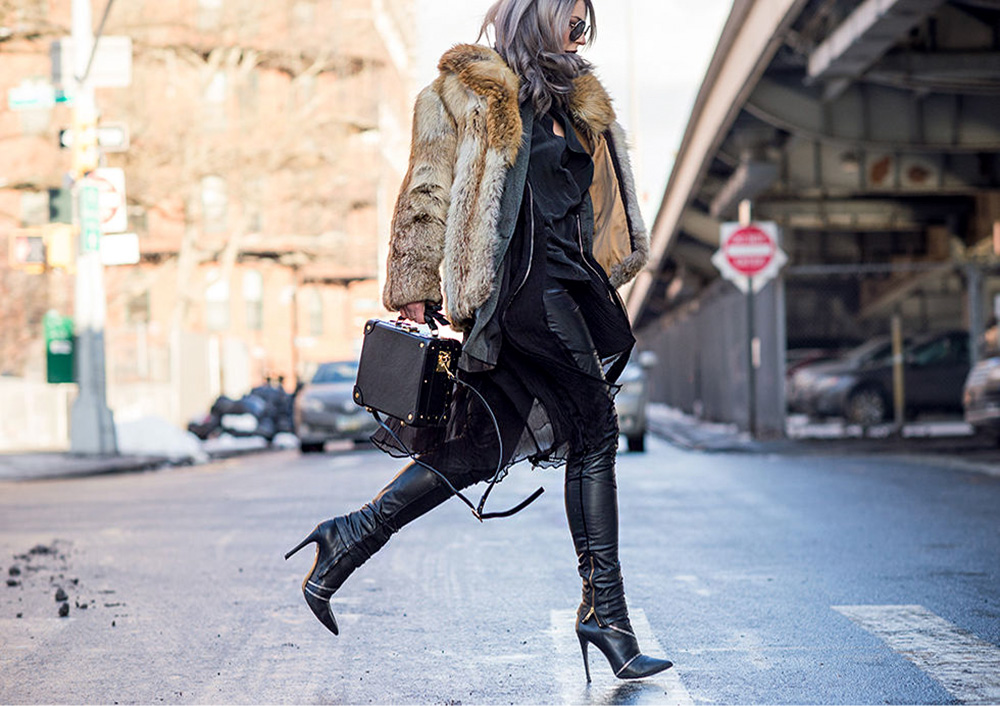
[(642, 666), (320, 607)]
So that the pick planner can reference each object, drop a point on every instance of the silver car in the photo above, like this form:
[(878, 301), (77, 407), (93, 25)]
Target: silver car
[(632, 399), (325, 409)]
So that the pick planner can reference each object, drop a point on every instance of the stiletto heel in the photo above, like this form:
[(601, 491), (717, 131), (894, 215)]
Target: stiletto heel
[(586, 660), (313, 537), (620, 647)]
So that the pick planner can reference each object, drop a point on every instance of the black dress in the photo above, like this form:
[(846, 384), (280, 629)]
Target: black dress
[(565, 336)]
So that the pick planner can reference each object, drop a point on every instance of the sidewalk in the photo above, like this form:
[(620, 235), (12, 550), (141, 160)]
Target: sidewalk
[(49, 465), (942, 444)]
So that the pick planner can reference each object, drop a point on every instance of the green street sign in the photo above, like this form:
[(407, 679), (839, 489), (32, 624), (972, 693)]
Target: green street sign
[(59, 347), (90, 218)]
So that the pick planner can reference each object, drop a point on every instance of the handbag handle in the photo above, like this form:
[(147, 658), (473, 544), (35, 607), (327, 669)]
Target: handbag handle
[(432, 317)]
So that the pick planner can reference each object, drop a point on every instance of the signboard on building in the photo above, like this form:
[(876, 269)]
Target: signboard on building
[(749, 255)]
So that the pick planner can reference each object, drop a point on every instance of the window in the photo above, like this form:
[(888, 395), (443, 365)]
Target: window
[(216, 303), (303, 14), (209, 15), (315, 312), (214, 100), (248, 94), (214, 204), (253, 295), (253, 196), (137, 309)]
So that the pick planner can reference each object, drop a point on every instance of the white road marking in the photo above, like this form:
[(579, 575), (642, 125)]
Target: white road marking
[(968, 667), (664, 688)]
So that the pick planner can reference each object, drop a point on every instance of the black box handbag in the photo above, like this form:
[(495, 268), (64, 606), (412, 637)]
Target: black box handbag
[(406, 374)]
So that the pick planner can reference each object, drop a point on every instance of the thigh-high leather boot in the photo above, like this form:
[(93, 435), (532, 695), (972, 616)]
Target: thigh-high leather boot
[(345, 543), (592, 510)]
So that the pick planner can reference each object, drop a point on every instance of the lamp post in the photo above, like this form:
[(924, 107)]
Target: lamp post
[(92, 429)]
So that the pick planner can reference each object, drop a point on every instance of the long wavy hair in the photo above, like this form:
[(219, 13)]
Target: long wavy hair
[(529, 37)]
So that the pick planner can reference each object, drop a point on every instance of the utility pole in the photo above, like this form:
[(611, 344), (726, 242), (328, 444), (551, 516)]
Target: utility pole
[(92, 428)]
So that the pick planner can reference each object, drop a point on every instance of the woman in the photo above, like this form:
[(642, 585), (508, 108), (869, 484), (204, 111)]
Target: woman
[(520, 205)]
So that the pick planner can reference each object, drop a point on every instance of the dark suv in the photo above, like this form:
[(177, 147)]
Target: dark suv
[(935, 368)]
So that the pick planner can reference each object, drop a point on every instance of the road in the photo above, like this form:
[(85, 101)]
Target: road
[(766, 579)]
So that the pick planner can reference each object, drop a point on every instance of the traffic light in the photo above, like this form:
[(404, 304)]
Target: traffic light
[(60, 206), (27, 250)]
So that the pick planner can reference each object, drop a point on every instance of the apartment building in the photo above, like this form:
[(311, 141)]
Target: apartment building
[(266, 144)]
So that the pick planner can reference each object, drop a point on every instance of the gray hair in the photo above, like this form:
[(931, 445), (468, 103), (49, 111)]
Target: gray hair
[(529, 37)]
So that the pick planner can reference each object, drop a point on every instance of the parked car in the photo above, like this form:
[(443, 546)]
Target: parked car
[(325, 408), (810, 351), (803, 388), (935, 368), (632, 399), (981, 397)]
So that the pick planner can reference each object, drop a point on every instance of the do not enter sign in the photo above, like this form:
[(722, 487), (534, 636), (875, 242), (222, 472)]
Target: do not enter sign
[(749, 253), (749, 250)]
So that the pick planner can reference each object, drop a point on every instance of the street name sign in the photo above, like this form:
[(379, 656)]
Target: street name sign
[(31, 94), (749, 255), (90, 216)]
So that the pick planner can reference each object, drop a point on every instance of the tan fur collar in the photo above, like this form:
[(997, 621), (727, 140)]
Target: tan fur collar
[(590, 106), (483, 71)]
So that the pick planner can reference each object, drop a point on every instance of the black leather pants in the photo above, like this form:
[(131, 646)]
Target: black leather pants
[(591, 493), (592, 511)]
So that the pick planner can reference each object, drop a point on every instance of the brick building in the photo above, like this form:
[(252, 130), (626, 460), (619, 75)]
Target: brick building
[(267, 140)]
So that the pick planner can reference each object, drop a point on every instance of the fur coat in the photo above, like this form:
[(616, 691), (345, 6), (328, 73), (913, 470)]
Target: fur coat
[(460, 198)]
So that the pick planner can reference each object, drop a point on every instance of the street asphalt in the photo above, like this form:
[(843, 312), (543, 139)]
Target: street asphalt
[(766, 578)]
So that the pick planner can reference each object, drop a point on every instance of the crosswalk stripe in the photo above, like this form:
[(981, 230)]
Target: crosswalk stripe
[(968, 667), (665, 688)]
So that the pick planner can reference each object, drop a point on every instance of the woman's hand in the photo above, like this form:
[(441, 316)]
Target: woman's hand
[(413, 312)]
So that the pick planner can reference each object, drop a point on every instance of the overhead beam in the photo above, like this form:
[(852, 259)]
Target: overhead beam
[(869, 215), (701, 226), (751, 178), (863, 38), (972, 72), (752, 36), (949, 123)]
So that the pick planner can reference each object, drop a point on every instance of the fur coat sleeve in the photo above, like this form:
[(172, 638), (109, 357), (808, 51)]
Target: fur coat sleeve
[(416, 243)]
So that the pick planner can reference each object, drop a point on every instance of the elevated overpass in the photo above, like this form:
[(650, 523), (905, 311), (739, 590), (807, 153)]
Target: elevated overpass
[(870, 131)]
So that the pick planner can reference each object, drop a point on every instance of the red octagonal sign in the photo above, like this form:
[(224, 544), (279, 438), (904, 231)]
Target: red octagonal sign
[(749, 250)]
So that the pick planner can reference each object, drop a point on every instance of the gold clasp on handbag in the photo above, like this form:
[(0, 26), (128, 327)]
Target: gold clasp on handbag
[(444, 362)]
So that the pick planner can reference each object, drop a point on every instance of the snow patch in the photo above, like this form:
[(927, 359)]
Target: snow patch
[(153, 436)]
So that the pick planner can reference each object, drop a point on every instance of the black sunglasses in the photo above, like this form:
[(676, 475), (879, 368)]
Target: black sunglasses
[(577, 30)]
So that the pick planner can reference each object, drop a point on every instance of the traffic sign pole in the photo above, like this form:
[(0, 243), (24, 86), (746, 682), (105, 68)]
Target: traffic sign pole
[(92, 424), (749, 256), (746, 217)]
